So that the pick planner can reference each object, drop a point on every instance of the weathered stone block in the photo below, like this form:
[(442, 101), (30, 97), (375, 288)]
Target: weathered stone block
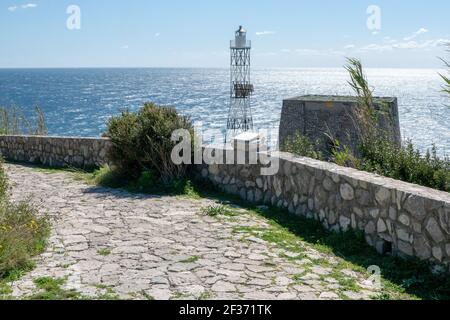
[(328, 184), (422, 247), (312, 116), (363, 197), (344, 222), (383, 196), (437, 253), (250, 196), (374, 213), (258, 195), (243, 194), (435, 232), (416, 206), (381, 226), (403, 235), (347, 192), (444, 219), (370, 228), (405, 220), (405, 248), (259, 183), (358, 212), (393, 213)]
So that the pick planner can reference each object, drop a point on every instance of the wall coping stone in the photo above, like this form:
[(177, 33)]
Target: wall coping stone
[(53, 137), (369, 177)]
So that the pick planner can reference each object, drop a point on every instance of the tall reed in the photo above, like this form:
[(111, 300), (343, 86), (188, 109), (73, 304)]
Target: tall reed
[(446, 87), (14, 122), (381, 155), (364, 116)]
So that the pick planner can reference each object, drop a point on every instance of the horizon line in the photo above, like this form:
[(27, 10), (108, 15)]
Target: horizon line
[(199, 68)]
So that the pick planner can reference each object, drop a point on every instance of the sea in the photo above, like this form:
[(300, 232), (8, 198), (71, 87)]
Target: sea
[(79, 102)]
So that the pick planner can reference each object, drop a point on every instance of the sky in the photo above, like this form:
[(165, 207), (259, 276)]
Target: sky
[(196, 33)]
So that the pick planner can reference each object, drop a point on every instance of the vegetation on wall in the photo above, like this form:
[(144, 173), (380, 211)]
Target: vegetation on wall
[(377, 152), (302, 146), (14, 122), (407, 164), (381, 155)]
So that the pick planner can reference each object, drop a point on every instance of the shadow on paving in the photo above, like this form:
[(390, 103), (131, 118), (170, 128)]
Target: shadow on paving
[(108, 192)]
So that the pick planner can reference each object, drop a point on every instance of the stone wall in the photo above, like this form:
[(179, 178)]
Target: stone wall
[(318, 117), (56, 151), (397, 217)]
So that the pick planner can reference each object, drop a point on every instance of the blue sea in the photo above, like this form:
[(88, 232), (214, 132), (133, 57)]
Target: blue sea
[(78, 102)]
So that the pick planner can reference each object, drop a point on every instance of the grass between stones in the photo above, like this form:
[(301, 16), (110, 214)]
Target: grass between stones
[(51, 289), (104, 252), (192, 259), (48, 288), (207, 295), (218, 210), (13, 275), (179, 296), (400, 278)]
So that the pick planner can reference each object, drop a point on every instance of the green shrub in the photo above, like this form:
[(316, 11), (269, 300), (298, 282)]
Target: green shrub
[(343, 156), (23, 233), (146, 183), (406, 163), (3, 183), (146, 179), (107, 177), (142, 143), (14, 122), (302, 146)]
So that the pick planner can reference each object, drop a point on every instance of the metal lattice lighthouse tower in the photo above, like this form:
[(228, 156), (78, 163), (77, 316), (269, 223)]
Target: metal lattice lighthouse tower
[(240, 113)]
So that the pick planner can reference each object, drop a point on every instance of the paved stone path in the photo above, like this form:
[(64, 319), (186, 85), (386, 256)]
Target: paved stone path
[(161, 247)]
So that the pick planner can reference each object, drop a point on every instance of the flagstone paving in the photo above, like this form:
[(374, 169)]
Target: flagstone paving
[(141, 247)]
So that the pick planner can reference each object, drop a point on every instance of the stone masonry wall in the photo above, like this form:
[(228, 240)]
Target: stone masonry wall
[(397, 217), (56, 151), (318, 117)]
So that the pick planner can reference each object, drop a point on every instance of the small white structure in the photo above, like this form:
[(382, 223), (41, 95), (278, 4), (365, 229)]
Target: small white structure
[(240, 41)]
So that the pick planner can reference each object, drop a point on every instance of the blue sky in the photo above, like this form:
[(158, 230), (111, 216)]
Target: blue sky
[(196, 33)]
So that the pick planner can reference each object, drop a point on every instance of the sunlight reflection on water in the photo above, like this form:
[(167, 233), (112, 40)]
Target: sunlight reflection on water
[(79, 101)]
